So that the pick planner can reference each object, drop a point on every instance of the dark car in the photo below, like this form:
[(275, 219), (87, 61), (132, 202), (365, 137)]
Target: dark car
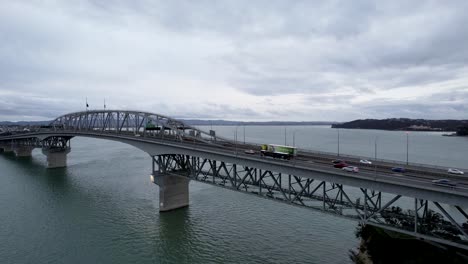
[(338, 161), (340, 165), (444, 182), (398, 169)]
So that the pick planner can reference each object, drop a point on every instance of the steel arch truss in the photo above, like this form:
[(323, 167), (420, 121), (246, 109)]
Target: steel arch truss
[(423, 219), (132, 123)]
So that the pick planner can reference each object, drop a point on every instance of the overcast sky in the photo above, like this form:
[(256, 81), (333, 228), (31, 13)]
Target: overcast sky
[(235, 60)]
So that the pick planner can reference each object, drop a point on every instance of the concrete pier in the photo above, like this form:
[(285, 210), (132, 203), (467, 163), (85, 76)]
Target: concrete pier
[(23, 151), (173, 191), (56, 158), (7, 148)]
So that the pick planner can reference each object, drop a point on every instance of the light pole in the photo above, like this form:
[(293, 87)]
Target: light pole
[(375, 158), (235, 138), (244, 134), (285, 136), (407, 147), (294, 138), (338, 142)]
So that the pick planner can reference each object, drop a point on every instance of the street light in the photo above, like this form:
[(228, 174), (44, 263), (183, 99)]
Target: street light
[(294, 138), (244, 134), (375, 158), (285, 136), (407, 147), (235, 138), (338, 142)]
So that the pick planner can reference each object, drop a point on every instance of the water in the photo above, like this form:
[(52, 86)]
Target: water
[(102, 208), (423, 147)]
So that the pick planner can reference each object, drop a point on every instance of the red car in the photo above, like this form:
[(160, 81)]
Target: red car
[(340, 165)]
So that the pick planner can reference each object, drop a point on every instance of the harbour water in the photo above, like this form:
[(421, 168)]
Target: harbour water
[(102, 208)]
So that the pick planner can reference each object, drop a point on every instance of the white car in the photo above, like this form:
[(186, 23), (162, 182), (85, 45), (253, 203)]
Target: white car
[(455, 171), (363, 161), (249, 151), (351, 169)]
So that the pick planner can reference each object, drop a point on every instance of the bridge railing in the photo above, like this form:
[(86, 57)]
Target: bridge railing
[(253, 145), (334, 155)]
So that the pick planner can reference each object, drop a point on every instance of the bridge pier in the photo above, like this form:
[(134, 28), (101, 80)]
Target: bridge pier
[(7, 148), (173, 190), (56, 158), (23, 151)]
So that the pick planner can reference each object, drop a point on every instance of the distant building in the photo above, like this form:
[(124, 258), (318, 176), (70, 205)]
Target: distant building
[(416, 127)]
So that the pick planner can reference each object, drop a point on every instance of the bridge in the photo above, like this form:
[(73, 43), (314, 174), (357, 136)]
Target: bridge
[(410, 204)]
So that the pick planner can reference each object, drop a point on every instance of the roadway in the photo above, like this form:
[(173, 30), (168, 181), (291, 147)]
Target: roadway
[(378, 171)]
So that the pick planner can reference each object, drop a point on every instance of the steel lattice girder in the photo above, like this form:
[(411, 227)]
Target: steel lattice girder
[(55, 142), (363, 205), (131, 122)]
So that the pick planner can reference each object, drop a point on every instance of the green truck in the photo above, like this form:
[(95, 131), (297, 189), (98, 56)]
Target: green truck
[(278, 151)]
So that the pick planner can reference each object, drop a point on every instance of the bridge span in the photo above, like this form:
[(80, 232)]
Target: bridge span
[(408, 204)]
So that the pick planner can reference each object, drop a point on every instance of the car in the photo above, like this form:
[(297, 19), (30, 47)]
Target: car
[(455, 171), (340, 165), (363, 161), (444, 182), (398, 169), (338, 161), (351, 169), (249, 151)]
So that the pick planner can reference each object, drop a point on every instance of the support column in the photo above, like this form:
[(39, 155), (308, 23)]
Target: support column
[(173, 190), (7, 148), (56, 158), (23, 151)]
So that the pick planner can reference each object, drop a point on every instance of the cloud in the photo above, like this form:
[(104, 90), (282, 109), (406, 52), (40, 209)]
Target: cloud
[(262, 60)]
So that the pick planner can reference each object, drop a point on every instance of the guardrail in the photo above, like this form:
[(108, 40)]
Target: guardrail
[(253, 145)]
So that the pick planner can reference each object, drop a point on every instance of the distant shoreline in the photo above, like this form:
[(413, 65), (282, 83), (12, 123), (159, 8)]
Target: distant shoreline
[(458, 127), (197, 122)]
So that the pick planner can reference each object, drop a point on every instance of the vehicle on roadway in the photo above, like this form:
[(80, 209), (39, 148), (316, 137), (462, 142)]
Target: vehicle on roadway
[(278, 151), (351, 169), (444, 182), (340, 165), (398, 169), (363, 161), (249, 151), (455, 171), (338, 161)]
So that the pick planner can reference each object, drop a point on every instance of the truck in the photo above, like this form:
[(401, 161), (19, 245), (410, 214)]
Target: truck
[(278, 151)]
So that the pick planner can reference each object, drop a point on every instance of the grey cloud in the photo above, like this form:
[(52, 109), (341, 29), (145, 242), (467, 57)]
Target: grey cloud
[(326, 51), (443, 105), (25, 108), (208, 110)]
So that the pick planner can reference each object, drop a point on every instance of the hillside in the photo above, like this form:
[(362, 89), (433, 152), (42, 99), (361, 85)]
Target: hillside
[(405, 124)]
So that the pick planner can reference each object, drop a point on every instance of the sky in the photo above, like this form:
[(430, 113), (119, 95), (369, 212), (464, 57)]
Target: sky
[(235, 60)]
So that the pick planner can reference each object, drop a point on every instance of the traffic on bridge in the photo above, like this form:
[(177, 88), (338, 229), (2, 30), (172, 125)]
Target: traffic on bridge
[(364, 190)]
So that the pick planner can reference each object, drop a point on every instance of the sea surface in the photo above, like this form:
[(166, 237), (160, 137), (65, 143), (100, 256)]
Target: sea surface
[(102, 208)]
